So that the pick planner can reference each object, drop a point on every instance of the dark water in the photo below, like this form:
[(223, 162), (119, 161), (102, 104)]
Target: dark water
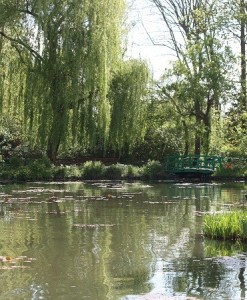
[(117, 241)]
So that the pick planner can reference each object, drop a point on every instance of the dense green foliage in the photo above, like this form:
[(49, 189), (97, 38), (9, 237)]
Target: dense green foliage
[(67, 90), (232, 168), (126, 128), (227, 226), (59, 60), (204, 81), (20, 169)]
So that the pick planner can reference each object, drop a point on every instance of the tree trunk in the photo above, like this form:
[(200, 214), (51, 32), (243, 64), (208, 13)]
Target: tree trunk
[(55, 135), (197, 144), (186, 138), (198, 137), (243, 101), (206, 136)]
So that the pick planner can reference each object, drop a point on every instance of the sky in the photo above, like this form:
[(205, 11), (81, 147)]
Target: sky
[(145, 21)]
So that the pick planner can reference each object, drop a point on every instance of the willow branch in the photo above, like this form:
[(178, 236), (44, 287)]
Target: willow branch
[(23, 44)]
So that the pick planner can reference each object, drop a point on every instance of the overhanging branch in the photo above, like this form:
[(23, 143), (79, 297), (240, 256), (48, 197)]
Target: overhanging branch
[(23, 44)]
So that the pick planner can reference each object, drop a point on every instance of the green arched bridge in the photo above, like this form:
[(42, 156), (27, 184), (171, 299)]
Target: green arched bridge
[(200, 165)]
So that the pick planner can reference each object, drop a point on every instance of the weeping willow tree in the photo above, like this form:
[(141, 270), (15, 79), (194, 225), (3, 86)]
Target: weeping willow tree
[(68, 50), (12, 89), (128, 91)]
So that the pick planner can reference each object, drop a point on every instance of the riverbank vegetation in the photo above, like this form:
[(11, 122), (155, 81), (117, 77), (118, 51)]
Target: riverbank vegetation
[(18, 169), (232, 168), (41, 168), (68, 90), (226, 226)]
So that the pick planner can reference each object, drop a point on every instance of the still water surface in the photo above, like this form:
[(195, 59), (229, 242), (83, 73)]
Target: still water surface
[(128, 241)]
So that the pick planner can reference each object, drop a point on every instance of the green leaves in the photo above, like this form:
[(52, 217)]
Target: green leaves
[(226, 226), (127, 93), (66, 52), (198, 81)]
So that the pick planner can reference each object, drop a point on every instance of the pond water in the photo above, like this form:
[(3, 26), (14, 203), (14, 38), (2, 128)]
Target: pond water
[(117, 240)]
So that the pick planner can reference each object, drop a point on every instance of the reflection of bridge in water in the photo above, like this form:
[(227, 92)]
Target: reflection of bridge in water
[(192, 165)]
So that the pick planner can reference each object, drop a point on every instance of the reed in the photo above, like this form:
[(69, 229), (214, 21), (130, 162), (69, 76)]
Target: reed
[(226, 226)]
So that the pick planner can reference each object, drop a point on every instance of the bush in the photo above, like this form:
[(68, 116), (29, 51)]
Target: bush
[(21, 170), (7, 173), (40, 169), (232, 168), (59, 172), (67, 172), (72, 172), (93, 170), (15, 162), (132, 172), (113, 172), (22, 174), (153, 170)]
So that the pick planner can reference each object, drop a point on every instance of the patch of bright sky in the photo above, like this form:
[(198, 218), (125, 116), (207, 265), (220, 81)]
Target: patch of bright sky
[(145, 22)]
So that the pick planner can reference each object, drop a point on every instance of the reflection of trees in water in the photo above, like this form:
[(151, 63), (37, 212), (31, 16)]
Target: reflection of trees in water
[(242, 280), (212, 277), (53, 208), (153, 234), (174, 267), (130, 257)]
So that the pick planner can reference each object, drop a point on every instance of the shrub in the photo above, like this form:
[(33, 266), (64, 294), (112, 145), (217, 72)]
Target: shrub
[(133, 171), (23, 173), (40, 169), (67, 172), (232, 169), (7, 173), (153, 170), (59, 172), (93, 170), (72, 172), (15, 162), (113, 172)]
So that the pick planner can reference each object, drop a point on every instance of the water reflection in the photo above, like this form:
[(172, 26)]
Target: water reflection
[(115, 240)]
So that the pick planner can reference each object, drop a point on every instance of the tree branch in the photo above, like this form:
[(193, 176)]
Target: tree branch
[(23, 44)]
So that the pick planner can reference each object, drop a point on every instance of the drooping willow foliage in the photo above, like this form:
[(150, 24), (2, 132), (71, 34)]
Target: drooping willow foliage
[(128, 91), (57, 60)]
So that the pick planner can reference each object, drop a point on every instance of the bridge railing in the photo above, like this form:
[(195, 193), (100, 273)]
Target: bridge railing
[(182, 162)]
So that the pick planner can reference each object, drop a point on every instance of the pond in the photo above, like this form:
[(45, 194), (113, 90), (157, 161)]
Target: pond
[(117, 240)]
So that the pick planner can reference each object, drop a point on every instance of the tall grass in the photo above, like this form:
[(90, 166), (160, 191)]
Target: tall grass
[(226, 226)]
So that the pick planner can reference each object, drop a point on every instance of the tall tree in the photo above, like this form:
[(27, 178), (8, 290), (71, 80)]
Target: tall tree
[(69, 50), (193, 29), (236, 22), (243, 18)]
